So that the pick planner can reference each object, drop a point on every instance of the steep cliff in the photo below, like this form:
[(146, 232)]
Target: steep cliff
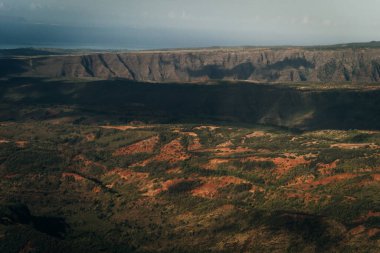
[(261, 65)]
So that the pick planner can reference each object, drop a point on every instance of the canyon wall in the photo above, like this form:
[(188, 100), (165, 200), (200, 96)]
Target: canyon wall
[(261, 65)]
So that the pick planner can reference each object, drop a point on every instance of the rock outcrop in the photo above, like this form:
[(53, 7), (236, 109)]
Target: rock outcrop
[(261, 65)]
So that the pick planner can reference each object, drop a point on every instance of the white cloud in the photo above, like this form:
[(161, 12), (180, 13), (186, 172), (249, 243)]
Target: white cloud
[(184, 15), (327, 22), (35, 6), (305, 20), (179, 15), (172, 15)]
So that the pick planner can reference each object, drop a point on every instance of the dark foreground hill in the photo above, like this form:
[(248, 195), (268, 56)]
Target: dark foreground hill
[(121, 101)]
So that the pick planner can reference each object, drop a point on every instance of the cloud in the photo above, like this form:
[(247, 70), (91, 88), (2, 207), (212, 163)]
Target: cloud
[(179, 15), (305, 20), (327, 22), (2, 6), (35, 6), (172, 15)]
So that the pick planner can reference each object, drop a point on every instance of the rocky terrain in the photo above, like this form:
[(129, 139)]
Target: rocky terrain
[(217, 150), (66, 187), (253, 64)]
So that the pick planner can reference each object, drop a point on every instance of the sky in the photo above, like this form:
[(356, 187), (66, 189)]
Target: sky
[(145, 24)]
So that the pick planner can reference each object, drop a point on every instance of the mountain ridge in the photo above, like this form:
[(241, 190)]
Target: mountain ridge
[(293, 64)]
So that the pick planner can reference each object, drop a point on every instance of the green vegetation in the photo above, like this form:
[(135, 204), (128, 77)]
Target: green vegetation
[(307, 190), (215, 181)]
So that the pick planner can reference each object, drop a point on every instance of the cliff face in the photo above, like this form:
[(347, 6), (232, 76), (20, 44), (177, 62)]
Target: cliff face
[(262, 65)]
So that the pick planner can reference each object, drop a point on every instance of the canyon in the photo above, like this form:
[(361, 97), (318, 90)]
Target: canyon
[(293, 64)]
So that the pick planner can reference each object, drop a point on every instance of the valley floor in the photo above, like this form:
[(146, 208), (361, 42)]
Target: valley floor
[(69, 187)]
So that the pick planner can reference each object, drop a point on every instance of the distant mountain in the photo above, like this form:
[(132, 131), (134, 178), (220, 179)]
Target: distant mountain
[(336, 64)]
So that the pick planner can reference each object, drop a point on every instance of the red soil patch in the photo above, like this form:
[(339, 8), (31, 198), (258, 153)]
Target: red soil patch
[(141, 179), (172, 152), (88, 163), (174, 171), (355, 145), (192, 134), (367, 216), (285, 164), (73, 175), (96, 189), (329, 180), (61, 120), (21, 144), (256, 188), (373, 232), (211, 185), (144, 146), (195, 144), (310, 143), (256, 159), (225, 144), (164, 186), (214, 163), (124, 128), (90, 137), (225, 151), (305, 179), (307, 197), (357, 230), (327, 169), (362, 229), (257, 134), (129, 175), (376, 177), (211, 128)]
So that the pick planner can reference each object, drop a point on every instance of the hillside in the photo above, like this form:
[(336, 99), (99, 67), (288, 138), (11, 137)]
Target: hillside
[(149, 188), (209, 150), (120, 101)]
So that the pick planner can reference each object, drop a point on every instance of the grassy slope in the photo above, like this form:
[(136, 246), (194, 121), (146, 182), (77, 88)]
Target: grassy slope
[(275, 190)]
